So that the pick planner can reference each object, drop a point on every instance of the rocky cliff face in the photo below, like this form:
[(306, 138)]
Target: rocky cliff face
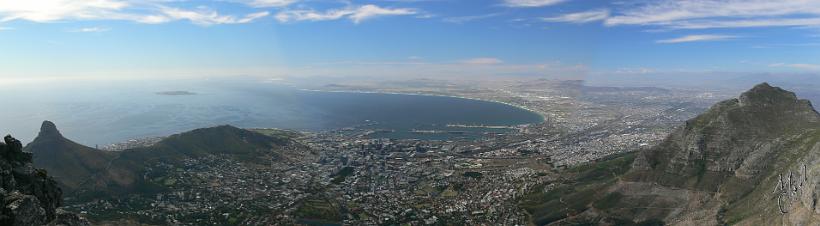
[(29, 195), (730, 164), (753, 160)]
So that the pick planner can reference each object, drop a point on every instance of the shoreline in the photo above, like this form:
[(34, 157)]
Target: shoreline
[(541, 115)]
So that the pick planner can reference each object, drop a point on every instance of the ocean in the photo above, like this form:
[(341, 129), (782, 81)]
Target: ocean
[(105, 112)]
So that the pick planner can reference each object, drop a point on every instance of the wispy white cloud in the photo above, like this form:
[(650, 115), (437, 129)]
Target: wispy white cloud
[(370, 11), (809, 67), (531, 3), (703, 14), (774, 22), (90, 29), (252, 16), (54, 10), (6, 28), (151, 12), (271, 3), (482, 61), (581, 17), (465, 19), (699, 14), (310, 15), (205, 16), (355, 14), (697, 38)]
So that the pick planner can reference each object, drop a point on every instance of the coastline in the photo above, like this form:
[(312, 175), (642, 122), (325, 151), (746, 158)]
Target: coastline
[(543, 116)]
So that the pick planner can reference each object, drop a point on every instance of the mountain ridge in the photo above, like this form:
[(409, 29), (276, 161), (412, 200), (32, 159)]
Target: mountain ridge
[(88, 172), (717, 168)]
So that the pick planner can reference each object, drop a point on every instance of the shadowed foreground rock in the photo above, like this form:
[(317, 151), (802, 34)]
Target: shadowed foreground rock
[(29, 195)]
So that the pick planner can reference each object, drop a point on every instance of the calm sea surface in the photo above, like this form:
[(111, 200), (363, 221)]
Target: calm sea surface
[(108, 112)]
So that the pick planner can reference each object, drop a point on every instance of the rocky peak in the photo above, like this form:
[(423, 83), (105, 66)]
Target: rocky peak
[(735, 137), (762, 110), (49, 130), (71, 163), (766, 95)]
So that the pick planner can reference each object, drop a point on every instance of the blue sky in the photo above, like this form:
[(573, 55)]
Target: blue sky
[(290, 38)]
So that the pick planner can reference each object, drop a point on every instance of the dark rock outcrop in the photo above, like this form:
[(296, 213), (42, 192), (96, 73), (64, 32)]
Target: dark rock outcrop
[(29, 195)]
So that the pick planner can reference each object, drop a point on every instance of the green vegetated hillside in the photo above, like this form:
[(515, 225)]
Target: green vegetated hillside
[(752, 160), (88, 172)]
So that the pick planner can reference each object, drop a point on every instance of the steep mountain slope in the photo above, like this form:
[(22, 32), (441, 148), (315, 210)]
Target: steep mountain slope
[(70, 163), (86, 172), (28, 195), (748, 161)]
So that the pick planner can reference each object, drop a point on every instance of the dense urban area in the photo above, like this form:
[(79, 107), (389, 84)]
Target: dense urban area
[(355, 179)]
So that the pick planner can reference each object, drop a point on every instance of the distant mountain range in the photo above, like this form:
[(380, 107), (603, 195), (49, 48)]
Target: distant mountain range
[(752, 160), (86, 172)]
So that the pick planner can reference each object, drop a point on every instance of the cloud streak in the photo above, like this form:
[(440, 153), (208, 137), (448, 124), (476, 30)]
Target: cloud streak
[(271, 3), (355, 14), (697, 38), (206, 16), (90, 29), (698, 14), (704, 14), (55, 10), (581, 17), (148, 12), (531, 3), (465, 19)]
